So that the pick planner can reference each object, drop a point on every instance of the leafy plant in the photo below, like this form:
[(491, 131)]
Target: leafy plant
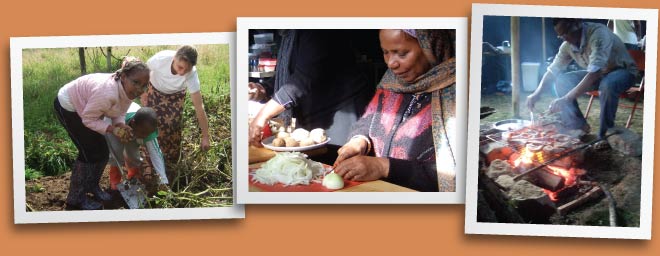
[(36, 188), (32, 174), (53, 156)]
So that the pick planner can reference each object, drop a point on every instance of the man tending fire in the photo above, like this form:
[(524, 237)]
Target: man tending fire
[(609, 69)]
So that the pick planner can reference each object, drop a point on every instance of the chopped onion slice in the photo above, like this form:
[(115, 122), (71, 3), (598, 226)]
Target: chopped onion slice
[(288, 168)]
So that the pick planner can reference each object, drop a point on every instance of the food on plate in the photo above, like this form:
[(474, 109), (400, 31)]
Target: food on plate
[(307, 142), (333, 181), (282, 135), (299, 138), (318, 135), (300, 134), (288, 168), (291, 142), (278, 142)]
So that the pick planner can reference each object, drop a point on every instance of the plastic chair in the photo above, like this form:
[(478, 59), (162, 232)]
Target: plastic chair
[(634, 92)]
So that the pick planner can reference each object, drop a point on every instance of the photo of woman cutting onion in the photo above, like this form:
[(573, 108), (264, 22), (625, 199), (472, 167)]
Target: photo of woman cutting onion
[(403, 138)]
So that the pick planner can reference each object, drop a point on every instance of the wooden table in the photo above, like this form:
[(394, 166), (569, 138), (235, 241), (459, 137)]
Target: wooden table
[(257, 156)]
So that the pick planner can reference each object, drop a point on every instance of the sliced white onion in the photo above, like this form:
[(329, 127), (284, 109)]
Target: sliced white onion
[(288, 168)]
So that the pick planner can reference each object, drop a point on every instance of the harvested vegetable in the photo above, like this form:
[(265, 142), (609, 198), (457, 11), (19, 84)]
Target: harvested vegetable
[(333, 181), (318, 135), (288, 168), (300, 134)]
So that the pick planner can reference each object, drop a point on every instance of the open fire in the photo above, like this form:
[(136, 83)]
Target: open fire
[(526, 159), (546, 154)]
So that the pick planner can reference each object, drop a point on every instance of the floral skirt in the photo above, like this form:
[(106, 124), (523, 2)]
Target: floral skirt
[(169, 108)]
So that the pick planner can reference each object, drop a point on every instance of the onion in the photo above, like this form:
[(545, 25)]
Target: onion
[(333, 181), (318, 135), (288, 168), (300, 134)]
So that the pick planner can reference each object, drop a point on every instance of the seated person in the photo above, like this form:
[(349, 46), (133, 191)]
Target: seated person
[(143, 123), (609, 68), (407, 134)]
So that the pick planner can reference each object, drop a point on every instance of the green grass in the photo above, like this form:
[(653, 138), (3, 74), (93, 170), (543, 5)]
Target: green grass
[(49, 151)]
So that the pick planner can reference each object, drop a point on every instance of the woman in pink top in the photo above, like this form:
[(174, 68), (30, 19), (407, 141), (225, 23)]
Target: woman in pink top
[(80, 107)]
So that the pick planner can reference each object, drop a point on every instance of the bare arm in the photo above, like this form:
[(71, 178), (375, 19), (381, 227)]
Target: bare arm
[(202, 120), (546, 81)]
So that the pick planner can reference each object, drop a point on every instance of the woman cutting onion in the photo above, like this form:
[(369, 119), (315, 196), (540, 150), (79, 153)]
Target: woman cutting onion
[(407, 133)]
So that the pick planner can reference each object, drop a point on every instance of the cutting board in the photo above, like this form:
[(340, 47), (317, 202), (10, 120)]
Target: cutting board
[(258, 155), (312, 187), (349, 186)]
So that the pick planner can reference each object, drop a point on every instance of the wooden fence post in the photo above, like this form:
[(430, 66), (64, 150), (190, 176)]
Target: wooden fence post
[(83, 65)]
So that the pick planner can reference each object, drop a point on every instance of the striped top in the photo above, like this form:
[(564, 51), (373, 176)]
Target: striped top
[(96, 96)]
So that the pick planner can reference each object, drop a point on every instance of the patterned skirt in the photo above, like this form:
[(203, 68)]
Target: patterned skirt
[(169, 108)]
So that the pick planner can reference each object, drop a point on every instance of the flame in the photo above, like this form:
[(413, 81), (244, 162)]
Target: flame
[(527, 157), (568, 174), (552, 195)]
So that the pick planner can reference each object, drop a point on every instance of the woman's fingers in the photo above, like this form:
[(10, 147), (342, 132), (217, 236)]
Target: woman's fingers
[(349, 169)]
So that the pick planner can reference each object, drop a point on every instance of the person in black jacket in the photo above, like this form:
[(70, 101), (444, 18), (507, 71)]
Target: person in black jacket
[(316, 81)]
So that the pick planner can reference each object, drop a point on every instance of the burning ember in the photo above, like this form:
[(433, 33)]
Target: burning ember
[(526, 159)]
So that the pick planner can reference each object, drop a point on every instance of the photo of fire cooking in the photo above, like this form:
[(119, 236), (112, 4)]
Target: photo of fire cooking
[(560, 138)]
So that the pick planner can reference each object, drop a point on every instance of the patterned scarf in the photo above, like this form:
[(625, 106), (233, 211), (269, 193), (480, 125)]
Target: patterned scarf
[(440, 80)]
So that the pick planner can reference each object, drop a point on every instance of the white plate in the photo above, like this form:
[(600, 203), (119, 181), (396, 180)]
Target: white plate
[(267, 142)]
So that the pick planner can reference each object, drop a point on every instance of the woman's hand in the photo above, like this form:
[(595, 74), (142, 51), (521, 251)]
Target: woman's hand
[(352, 148), (256, 131), (205, 145), (363, 168)]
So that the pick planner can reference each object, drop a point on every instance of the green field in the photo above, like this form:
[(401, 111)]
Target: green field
[(49, 151)]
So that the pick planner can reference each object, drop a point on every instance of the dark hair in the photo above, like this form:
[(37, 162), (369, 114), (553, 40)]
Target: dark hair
[(569, 21), (146, 115), (131, 67), (187, 53)]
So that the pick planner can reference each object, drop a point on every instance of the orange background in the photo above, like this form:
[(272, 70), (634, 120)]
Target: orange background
[(281, 229)]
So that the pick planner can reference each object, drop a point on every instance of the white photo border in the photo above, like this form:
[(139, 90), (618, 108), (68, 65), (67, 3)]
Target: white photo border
[(247, 197), (18, 44), (471, 224)]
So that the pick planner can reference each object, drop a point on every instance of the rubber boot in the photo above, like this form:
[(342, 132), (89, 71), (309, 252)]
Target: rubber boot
[(89, 182), (76, 189), (115, 177), (77, 197), (96, 178)]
